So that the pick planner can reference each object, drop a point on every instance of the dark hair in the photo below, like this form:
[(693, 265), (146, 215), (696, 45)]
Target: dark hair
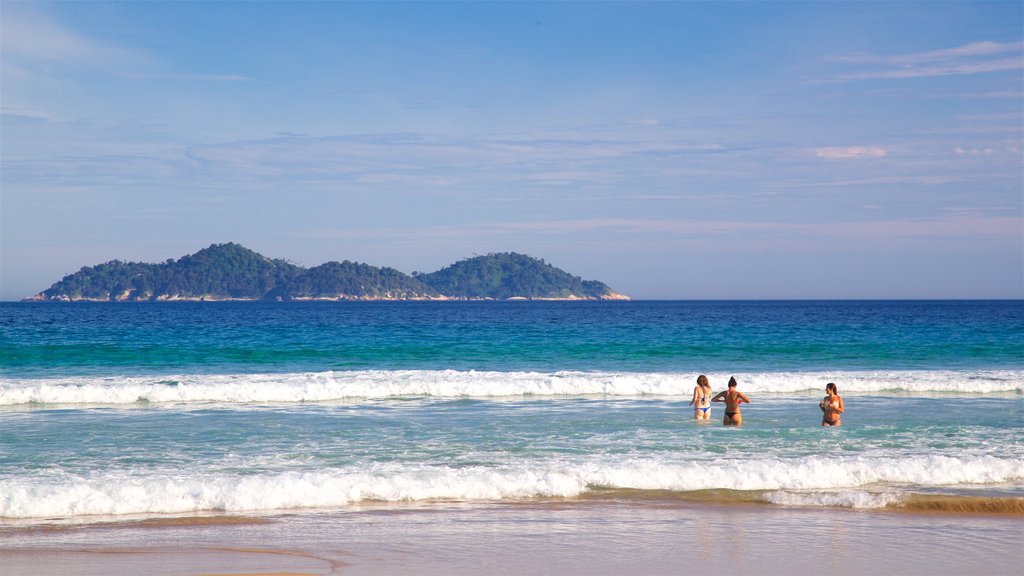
[(702, 381), (732, 382), (831, 386)]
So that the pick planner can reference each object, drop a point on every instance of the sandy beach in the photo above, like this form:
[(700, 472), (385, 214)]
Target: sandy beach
[(574, 538)]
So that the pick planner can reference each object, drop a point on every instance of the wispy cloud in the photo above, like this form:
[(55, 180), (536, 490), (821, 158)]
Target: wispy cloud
[(851, 153), (952, 226), (974, 58), (32, 36), (973, 151), (962, 225), (419, 159), (189, 77), (33, 40), (975, 49), (948, 69), (26, 113), (499, 167)]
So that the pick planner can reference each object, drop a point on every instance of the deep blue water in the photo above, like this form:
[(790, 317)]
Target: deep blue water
[(81, 338)]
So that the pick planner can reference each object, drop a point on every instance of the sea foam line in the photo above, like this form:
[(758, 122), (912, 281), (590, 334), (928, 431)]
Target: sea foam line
[(373, 384), (792, 482)]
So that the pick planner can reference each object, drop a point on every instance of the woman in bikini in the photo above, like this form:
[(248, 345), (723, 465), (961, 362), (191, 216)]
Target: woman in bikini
[(831, 406), (732, 398), (702, 399)]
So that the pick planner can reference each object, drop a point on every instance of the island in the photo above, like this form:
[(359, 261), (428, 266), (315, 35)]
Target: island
[(224, 272)]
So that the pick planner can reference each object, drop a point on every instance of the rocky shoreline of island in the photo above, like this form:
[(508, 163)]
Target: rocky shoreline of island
[(339, 298)]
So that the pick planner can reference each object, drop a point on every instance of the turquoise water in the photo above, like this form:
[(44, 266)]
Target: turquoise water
[(152, 409)]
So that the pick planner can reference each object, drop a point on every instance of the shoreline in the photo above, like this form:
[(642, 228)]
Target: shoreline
[(911, 503), (616, 297), (596, 538)]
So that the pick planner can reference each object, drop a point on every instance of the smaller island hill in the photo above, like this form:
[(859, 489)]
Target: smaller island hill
[(232, 272)]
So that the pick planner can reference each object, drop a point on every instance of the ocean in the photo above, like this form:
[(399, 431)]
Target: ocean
[(151, 412)]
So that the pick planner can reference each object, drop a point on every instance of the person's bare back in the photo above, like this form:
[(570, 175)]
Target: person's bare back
[(732, 398)]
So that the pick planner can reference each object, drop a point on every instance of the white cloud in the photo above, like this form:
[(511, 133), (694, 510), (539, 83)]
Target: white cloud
[(951, 226), (191, 77), (974, 58), (960, 151), (974, 49), (851, 152), (955, 225), (945, 69), (26, 113), (32, 36)]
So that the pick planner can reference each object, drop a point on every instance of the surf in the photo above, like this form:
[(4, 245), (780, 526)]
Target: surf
[(850, 482), (327, 386)]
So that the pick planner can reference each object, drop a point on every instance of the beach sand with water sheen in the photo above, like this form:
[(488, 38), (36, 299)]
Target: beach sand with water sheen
[(608, 537)]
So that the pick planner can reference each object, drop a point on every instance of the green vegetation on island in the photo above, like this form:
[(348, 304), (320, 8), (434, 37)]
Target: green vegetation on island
[(510, 275), (233, 272)]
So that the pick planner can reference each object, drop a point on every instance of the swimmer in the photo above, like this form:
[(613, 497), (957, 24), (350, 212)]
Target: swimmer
[(702, 399), (732, 398), (832, 406)]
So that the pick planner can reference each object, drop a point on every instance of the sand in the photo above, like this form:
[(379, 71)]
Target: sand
[(566, 538)]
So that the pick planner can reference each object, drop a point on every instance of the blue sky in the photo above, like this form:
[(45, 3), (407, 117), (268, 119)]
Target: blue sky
[(672, 150)]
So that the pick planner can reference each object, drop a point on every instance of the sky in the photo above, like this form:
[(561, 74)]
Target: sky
[(683, 150)]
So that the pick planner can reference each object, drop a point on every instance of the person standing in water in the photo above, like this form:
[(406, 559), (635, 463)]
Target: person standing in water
[(831, 406), (702, 399), (732, 398)]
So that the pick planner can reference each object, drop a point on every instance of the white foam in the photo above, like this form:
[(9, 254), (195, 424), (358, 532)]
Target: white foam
[(370, 384), (835, 499), (840, 481)]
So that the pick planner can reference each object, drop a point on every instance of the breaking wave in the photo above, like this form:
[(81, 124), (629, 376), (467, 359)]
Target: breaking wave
[(806, 481), (374, 384)]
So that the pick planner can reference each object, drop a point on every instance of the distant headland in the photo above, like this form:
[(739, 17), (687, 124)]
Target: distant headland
[(230, 271)]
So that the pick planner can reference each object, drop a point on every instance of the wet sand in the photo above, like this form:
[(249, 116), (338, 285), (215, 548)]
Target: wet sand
[(154, 560), (605, 537)]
